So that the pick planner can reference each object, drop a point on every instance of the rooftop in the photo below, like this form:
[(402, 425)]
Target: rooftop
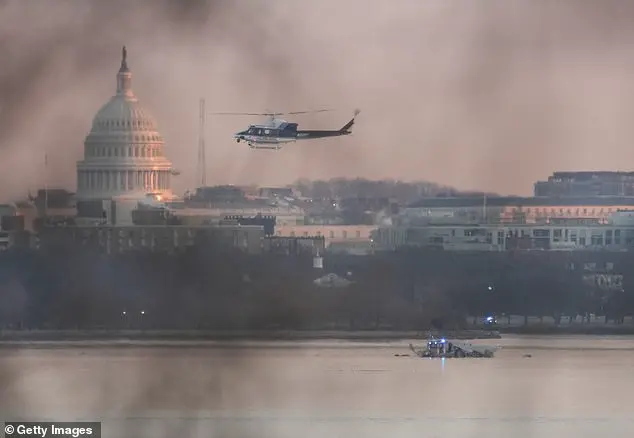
[(512, 201), (586, 175)]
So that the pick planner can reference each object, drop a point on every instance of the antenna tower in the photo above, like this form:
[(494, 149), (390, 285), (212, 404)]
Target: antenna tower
[(202, 160)]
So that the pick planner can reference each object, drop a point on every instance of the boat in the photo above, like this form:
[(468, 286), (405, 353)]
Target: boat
[(445, 348)]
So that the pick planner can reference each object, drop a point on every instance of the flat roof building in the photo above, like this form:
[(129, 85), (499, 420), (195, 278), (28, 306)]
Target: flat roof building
[(589, 183)]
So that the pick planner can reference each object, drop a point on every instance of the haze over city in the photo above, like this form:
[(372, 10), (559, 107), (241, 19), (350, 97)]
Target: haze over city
[(489, 96)]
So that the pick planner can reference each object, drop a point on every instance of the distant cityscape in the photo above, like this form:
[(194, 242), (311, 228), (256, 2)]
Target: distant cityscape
[(432, 253), (124, 201)]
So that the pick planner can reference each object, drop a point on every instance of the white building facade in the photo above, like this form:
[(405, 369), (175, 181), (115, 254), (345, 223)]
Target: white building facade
[(617, 235), (123, 153)]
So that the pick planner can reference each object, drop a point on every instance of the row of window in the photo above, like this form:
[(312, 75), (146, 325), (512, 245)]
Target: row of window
[(263, 132), (569, 211), (123, 180), (331, 234), (137, 124), (575, 236), (122, 151)]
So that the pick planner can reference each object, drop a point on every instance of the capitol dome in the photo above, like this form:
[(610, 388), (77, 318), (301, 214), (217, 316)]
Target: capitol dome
[(125, 110), (124, 152)]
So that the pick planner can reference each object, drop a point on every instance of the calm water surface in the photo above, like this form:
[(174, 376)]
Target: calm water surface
[(577, 387)]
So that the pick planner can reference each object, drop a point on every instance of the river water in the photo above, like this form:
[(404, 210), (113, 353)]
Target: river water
[(579, 387)]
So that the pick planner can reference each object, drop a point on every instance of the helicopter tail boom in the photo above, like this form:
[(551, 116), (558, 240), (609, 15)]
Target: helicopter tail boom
[(345, 130)]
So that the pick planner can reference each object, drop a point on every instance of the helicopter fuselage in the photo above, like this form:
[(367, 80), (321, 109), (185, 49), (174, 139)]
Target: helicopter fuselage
[(270, 136), (280, 132), (264, 137)]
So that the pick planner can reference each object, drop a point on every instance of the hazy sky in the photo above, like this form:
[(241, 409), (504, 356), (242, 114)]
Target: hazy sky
[(489, 95)]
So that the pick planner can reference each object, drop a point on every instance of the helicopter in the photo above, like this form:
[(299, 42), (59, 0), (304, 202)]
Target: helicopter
[(276, 132)]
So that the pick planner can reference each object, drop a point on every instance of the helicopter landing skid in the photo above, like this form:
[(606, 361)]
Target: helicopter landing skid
[(271, 147)]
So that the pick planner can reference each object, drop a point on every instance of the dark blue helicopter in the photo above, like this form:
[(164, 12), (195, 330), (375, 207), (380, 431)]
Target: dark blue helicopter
[(276, 132)]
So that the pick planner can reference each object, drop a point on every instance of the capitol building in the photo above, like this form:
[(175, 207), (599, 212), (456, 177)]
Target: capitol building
[(123, 153)]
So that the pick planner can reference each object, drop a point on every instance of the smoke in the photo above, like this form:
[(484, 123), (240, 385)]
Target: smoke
[(491, 95)]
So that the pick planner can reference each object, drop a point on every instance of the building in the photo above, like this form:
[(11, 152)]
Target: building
[(247, 239), (12, 228), (210, 204), (123, 153), (586, 184), (169, 239), (284, 215), (337, 238), (510, 209), (279, 192), (559, 234)]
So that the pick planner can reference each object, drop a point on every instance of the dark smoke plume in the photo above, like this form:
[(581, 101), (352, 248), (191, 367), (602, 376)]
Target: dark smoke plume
[(489, 95), (450, 92)]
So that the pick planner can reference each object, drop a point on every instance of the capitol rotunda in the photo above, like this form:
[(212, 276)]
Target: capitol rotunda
[(124, 152)]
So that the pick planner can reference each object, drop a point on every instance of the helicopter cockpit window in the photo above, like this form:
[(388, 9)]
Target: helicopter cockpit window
[(251, 131)]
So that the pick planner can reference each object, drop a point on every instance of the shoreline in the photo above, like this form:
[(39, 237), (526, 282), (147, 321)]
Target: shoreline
[(13, 337), (232, 335), (576, 329)]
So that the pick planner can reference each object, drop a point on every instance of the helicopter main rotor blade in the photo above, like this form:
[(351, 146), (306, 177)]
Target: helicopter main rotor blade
[(271, 114), (243, 114), (308, 112)]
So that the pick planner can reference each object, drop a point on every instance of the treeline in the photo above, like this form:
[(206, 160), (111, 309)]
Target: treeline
[(402, 192), (72, 288)]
